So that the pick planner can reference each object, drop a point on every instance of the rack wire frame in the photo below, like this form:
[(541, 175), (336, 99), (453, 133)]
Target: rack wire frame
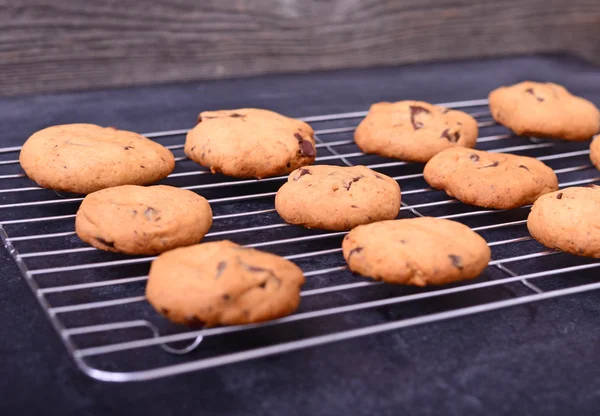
[(71, 258)]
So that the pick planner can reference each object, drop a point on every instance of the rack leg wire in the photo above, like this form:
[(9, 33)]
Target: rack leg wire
[(196, 336)]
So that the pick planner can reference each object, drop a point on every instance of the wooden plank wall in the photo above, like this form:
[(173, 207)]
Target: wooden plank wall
[(53, 45)]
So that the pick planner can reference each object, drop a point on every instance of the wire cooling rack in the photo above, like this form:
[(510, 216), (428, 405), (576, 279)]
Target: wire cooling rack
[(95, 300)]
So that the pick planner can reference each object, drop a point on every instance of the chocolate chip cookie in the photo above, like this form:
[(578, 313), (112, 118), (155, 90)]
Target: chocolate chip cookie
[(222, 283), (489, 180), (250, 143), (142, 220), (595, 152), (84, 158), (568, 220), (417, 251), (337, 198), (414, 130), (544, 110)]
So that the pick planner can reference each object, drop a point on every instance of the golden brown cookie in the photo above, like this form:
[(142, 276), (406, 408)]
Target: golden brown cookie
[(337, 198), (544, 110), (84, 158), (489, 180), (595, 152), (568, 220), (222, 283), (142, 220), (417, 251), (250, 143), (414, 130)]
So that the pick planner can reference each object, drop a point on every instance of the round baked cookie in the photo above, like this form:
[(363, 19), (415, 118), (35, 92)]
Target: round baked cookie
[(142, 220), (568, 220), (222, 283), (250, 143), (337, 198), (417, 251), (489, 180), (414, 130), (595, 152), (544, 110), (84, 158)]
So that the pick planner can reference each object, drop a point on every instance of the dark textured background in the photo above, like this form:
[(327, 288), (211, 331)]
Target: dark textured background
[(540, 359)]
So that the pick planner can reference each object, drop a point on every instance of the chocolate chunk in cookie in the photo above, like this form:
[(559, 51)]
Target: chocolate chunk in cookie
[(414, 130), (490, 180), (337, 198), (250, 143), (221, 283), (418, 251), (544, 110), (142, 220), (84, 158), (568, 220)]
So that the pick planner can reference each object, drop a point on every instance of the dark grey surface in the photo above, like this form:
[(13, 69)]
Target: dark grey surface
[(532, 360)]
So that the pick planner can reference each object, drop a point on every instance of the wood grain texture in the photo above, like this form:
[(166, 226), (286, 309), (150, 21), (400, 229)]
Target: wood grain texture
[(52, 45)]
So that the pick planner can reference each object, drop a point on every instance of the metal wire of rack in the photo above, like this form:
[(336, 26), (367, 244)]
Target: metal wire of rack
[(94, 299)]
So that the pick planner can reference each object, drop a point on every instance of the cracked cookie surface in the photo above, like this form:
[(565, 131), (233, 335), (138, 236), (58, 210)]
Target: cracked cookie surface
[(222, 283), (568, 220), (250, 143), (416, 251), (84, 158), (337, 198), (414, 130), (544, 110), (490, 180), (142, 220)]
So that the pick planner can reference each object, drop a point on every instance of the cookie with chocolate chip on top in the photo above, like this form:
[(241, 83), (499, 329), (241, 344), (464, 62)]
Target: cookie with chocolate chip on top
[(544, 110), (490, 180), (83, 158), (414, 130), (417, 251), (222, 283), (250, 143), (568, 220), (142, 220), (337, 198)]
